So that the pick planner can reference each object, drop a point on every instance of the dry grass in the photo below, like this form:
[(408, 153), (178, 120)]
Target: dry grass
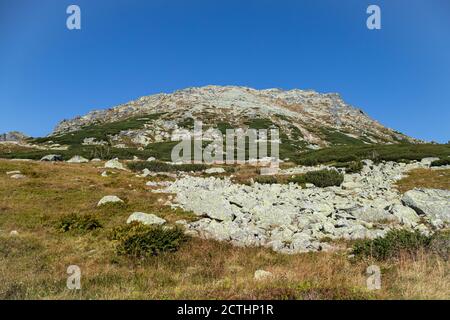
[(33, 265), (425, 178)]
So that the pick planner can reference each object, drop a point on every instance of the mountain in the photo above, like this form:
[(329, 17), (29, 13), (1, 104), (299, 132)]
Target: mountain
[(307, 119)]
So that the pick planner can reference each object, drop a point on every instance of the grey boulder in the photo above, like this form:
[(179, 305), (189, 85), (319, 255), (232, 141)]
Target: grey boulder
[(433, 203), (52, 157)]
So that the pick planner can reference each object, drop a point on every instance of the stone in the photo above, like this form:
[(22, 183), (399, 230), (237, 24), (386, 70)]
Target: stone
[(158, 183), (18, 176), (52, 158), (14, 233), (433, 203), (96, 160), (109, 199), (214, 170), (151, 159), (115, 164), (77, 159), (428, 161), (350, 185), (372, 214), (261, 275), (13, 172), (104, 174), (145, 218)]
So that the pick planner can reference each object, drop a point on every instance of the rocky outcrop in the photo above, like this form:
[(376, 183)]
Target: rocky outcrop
[(13, 136)]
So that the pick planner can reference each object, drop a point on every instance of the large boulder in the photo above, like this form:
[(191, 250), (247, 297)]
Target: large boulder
[(52, 157), (405, 215), (115, 164), (145, 218), (433, 203), (109, 199), (428, 161), (18, 176), (77, 159)]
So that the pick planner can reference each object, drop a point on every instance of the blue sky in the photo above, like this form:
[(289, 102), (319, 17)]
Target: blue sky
[(399, 75)]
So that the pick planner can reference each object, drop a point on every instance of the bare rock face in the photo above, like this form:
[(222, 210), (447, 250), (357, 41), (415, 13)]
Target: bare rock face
[(14, 136), (434, 204)]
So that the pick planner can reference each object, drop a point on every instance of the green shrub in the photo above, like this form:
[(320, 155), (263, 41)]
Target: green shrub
[(298, 179), (438, 163), (266, 179), (158, 166), (440, 244), (138, 240), (395, 242), (324, 178), (353, 167), (78, 223)]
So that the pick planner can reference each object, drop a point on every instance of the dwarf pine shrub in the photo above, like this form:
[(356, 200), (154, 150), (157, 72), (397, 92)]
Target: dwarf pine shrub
[(395, 242), (158, 166), (78, 223), (138, 240), (438, 163), (324, 178)]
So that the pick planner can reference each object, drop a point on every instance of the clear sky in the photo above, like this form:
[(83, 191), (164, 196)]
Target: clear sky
[(399, 75)]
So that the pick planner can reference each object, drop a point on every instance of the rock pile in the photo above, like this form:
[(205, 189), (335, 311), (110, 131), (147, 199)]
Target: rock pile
[(290, 219)]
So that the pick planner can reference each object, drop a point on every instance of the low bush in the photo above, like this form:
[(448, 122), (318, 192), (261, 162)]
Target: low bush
[(438, 163), (158, 166), (390, 246), (353, 167), (266, 179), (78, 223), (298, 179), (138, 240), (324, 178)]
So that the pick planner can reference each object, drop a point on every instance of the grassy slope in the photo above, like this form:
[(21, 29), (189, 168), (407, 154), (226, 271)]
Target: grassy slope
[(33, 265)]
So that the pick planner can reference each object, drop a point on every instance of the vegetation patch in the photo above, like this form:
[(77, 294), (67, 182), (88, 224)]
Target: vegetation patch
[(393, 244), (324, 178), (137, 240), (100, 131), (441, 162), (339, 138), (351, 167), (395, 152), (77, 223), (158, 166)]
